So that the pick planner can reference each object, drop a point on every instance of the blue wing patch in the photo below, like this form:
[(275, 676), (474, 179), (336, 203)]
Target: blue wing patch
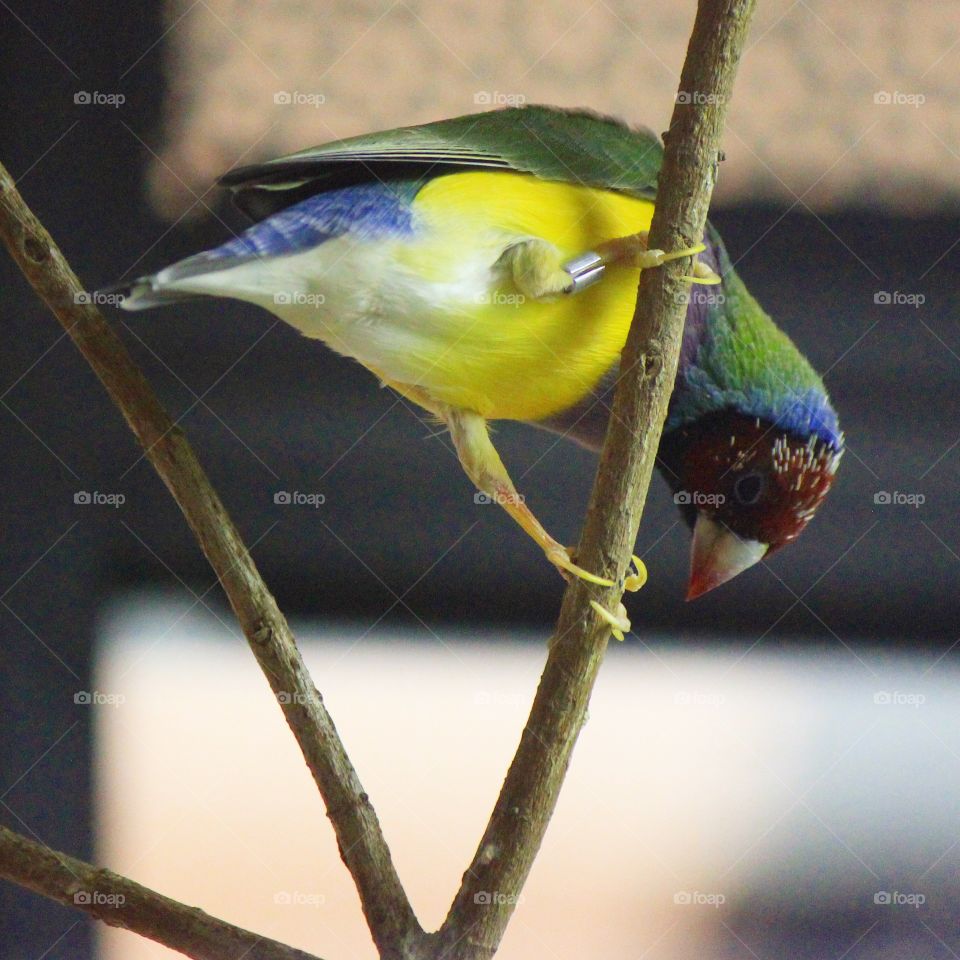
[(366, 210)]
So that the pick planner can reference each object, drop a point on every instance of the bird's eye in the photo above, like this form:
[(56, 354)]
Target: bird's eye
[(748, 488)]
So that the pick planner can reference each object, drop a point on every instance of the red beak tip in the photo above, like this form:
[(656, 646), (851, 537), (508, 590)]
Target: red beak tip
[(697, 588)]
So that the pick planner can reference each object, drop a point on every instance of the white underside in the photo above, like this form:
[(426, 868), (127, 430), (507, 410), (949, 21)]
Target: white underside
[(360, 298)]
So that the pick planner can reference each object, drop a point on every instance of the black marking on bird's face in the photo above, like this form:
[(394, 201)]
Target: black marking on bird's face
[(761, 482), (749, 487)]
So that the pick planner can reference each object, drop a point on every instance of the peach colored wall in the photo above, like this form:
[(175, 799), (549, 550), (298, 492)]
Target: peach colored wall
[(836, 103)]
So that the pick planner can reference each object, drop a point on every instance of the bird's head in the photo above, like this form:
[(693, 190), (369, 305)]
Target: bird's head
[(746, 487)]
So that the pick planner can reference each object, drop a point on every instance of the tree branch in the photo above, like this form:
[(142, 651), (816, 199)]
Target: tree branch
[(120, 902), (362, 846), (486, 900)]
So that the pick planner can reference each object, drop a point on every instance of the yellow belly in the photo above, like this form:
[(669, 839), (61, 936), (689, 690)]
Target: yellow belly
[(488, 349)]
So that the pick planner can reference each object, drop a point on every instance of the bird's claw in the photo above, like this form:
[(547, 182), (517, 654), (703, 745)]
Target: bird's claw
[(662, 258), (618, 622), (634, 581), (560, 558), (702, 274)]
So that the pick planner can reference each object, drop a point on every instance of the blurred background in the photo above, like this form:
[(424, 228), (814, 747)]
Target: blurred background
[(770, 771)]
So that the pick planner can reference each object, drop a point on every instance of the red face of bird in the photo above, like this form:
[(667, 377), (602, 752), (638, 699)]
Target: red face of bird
[(748, 488)]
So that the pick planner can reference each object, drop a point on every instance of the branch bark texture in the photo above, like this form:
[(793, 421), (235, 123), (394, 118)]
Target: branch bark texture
[(120, 902), (483, 906), (492, 884), (362, 846)]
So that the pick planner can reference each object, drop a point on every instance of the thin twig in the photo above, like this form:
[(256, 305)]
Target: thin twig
[(486, 900), (362, 846), (120, 902)]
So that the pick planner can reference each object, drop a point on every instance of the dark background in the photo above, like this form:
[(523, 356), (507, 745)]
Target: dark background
[(399, 535)]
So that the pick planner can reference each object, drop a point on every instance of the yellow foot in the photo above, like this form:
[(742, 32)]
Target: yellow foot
[(537, 269), (702, 274), (634, 581), (560, 558), (632, 251), (619, 624), (657, 258)]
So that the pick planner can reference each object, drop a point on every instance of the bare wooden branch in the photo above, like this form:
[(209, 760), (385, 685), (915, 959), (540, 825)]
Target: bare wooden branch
[(486, 900), (120, 902), (362, 846), (491, 886)]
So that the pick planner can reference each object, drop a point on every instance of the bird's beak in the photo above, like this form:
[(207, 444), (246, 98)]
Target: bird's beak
[(718, 555)]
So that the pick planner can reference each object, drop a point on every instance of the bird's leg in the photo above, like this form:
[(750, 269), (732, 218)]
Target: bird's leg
[(618, 622), (483, 466), (537, 269), (632, 251)]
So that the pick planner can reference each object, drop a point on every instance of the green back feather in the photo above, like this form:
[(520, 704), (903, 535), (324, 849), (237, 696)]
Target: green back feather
[(572, 146)]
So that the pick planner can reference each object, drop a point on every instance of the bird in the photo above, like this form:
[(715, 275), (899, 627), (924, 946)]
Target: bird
[(485, 267)]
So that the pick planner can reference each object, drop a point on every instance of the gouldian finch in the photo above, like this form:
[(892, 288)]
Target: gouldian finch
[(486, 268)]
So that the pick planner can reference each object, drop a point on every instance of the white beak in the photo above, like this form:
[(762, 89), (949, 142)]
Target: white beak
[(718, 555)]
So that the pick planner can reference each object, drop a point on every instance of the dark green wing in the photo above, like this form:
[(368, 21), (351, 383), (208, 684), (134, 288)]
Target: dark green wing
[(572, 146)]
